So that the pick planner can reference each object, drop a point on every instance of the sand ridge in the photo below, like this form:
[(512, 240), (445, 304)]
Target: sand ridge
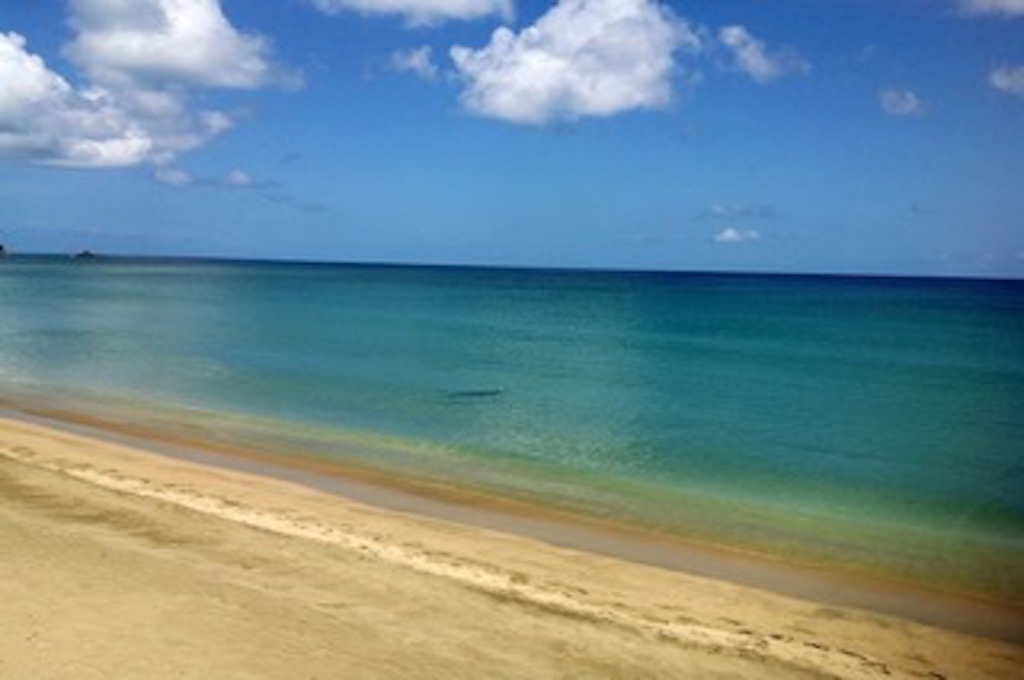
[(690, 615)]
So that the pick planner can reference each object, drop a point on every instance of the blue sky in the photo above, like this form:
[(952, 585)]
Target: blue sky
[(877, 136)]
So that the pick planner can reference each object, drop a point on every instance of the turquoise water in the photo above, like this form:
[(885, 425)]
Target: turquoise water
[(870, 421)]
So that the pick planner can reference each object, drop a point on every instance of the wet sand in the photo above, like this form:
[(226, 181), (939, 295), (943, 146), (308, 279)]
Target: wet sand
[(121, 562)]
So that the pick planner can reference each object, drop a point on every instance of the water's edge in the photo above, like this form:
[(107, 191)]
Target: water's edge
[(550, 525)]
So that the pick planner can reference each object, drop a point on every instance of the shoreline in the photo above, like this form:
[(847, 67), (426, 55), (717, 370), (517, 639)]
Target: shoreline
[(123, 567), (693, 612), (554, 526)]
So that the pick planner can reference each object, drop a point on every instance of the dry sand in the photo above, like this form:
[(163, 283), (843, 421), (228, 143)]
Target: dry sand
[(120, 562)]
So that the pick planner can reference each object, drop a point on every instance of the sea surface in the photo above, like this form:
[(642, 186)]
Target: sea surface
[(874, 424)]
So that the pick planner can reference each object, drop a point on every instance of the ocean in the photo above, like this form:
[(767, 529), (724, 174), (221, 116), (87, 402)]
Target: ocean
[(874, 425)]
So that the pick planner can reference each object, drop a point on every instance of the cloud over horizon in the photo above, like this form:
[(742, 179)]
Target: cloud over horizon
[(142, 61), (583, 58), (735, 235), (738, 211)]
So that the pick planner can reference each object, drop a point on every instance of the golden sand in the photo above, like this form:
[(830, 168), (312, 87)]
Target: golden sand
[(121, 562)]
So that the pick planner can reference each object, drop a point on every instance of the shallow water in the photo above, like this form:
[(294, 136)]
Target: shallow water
[(870, 422)]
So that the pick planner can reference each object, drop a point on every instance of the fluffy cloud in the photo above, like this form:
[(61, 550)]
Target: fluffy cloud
[(422, 12), (582, 58), (185, 42), (142, 59), (43, 117), (1009, 79), (751, 55), (901, 103), (997, 7), (419, 61), (735, 235), (27, 86)]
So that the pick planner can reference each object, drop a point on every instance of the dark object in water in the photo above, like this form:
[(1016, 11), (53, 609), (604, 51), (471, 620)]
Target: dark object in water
[(476, 394), (85, 255)]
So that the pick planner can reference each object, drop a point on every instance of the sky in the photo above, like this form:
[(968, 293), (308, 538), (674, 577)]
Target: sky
[(847, 136)]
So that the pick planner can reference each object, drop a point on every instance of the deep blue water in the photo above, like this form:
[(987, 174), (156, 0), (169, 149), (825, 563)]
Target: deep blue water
[(864, 419)]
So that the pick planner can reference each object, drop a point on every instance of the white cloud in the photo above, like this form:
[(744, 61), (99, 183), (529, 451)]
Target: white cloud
[(582, 58), (142, 60), (172, 176), (1007, 8), (238, 178), (901, 103), (155, 42), (26, 84), (43, 117), (1008, 79), (423, 12), (419, 61), (738, 211), (735, 235), (751, 55)]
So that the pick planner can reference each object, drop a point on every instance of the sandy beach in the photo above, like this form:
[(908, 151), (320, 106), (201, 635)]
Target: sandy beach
[(122, 562)]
